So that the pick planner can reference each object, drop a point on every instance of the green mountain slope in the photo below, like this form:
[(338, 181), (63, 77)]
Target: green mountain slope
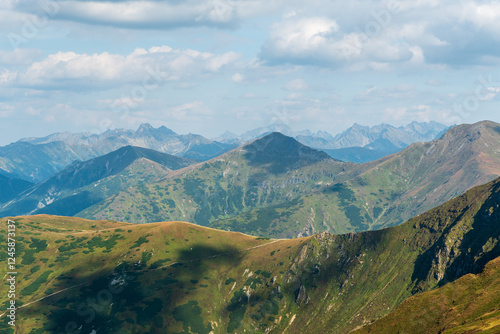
[(271, 170), (277, 187), (471, 304), (83, 184), (386, 192), (183, 278)]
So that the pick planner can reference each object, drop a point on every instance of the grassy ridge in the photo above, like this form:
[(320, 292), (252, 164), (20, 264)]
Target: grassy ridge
[(180, 278), (471, 304)]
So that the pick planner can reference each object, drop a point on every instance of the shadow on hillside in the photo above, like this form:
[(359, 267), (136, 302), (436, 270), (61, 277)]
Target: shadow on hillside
[(136, 298), (477, 246)]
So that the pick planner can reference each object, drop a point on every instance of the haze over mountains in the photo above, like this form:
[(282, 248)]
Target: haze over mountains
[(36, 159), (357, 144), (273, 186), (276, 187)]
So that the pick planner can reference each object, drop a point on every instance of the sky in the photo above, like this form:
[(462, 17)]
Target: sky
[(205, 67)]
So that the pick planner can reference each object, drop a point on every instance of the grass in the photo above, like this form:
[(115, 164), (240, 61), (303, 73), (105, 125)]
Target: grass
[(344, 281)]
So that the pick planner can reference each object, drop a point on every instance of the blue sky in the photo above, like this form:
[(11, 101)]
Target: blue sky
[(209, 66)]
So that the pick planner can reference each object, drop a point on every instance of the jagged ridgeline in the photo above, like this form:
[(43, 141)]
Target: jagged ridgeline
[(277, 187), (182, 278)]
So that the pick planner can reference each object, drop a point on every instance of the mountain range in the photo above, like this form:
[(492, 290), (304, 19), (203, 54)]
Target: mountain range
[(406, 243), (357, 144), (175, 277), (83, 184), (277, 187), (37, 159)]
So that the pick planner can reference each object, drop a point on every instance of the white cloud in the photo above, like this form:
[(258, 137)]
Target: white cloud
[(303, 40), (148, 68), (7, 76), (356, 34), (5, 110), (320, 41), (252, 96), (492, 93)]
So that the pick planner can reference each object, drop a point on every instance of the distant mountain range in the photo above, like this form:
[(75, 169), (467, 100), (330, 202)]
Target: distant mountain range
[(273, 186), (385, 192), (37, 159), (357, 144), (277, 187), (436, 273)]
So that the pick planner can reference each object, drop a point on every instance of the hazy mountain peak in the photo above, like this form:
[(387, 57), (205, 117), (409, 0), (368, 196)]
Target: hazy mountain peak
[(146, 128), (227, 135)]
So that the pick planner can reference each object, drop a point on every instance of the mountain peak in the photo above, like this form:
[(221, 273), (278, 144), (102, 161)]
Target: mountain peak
[(146, 128), (280, 153)]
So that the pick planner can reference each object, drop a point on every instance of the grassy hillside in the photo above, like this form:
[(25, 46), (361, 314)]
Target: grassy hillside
[(86, 183), (471, 304), (277, 187), (272, 170), (181, 278), (386, 192)]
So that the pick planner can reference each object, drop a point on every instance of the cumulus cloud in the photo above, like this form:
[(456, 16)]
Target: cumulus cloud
[(146, 67), (237, 77), (383, 33), (320, 41)]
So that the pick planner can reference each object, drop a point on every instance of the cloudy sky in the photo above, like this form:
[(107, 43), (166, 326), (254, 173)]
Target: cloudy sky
[(206, 66)]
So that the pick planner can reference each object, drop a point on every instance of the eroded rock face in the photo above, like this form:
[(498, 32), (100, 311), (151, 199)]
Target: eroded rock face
[(301, 297)]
